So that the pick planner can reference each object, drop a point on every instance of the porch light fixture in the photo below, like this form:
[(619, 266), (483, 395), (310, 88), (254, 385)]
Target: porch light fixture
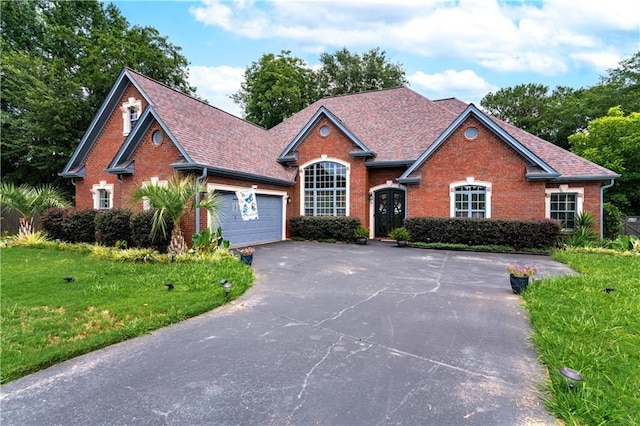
[(370, 196), (288, 200), (571, 377)]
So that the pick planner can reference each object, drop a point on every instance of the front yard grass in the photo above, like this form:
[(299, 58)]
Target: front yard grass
[(46, 320), (577, 324)]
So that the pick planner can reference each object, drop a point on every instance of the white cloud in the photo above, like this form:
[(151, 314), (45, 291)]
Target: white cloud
[(502, 36), (465, 85), (216, 84)]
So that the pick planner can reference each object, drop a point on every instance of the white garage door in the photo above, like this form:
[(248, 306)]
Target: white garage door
[(267, 228)]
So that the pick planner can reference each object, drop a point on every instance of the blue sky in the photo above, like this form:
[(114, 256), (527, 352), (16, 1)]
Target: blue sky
[(462, 48)]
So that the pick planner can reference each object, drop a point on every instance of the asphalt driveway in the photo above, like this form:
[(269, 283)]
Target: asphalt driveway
[(329, 334)]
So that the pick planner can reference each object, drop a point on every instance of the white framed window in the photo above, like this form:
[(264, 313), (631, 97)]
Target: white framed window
[(130, 114), (470, 198), (146, 205), (102, 196), (325, 187), (563, 204)]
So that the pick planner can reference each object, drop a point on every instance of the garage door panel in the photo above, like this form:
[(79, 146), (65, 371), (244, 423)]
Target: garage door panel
[(268, 226)]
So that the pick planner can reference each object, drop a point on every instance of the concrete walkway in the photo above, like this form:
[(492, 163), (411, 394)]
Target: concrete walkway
[(330, 334)]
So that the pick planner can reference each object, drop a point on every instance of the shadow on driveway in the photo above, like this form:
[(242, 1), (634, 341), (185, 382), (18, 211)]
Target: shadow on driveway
[(329, 334)]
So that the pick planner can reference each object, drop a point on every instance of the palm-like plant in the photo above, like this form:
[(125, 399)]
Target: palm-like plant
[(172, 202), (29, 201)]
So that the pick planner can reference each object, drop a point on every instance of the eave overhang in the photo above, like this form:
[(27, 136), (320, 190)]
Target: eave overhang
[(388, 164), (233, 174)]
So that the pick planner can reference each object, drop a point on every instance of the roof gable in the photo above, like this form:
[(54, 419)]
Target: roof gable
[(286, 155), (545, 170), (76, 162), (122, 162)]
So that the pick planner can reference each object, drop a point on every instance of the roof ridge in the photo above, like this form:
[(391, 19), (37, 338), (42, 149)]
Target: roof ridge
[(191, 97), (362, 92)]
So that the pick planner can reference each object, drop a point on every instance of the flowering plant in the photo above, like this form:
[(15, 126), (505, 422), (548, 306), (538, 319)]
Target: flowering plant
[(246, 251), (522, 271)]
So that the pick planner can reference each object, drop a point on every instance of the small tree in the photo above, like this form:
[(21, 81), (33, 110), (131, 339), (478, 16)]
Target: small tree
[(172, 202), (28, 202)]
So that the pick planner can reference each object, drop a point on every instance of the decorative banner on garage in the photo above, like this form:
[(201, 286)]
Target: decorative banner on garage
[(248, 205)]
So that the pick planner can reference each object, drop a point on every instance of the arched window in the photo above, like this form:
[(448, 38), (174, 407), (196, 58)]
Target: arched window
[(325, 189), (470, 198)]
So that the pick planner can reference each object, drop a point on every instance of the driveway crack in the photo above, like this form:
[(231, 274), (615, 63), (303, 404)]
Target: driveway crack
[(350, 307)]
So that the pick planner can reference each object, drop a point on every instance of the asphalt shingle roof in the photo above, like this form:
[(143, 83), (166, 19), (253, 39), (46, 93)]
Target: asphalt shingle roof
[(211, 136), (397, 124)]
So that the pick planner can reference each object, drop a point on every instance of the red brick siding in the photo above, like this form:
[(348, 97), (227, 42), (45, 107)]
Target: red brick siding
[(103, 151), (338, 146), (486, 158)]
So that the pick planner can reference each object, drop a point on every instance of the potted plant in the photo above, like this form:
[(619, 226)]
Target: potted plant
[(401, 235), (362, 234), (519, 276), (246, 254)]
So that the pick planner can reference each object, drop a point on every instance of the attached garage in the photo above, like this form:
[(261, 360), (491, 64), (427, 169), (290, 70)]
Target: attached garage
[(268, 227)]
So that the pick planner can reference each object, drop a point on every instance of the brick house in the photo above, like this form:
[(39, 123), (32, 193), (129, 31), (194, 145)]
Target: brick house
[(380, 156)]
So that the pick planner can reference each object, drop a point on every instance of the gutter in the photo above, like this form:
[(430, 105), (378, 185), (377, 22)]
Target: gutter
[(199, 180), (602, 188)]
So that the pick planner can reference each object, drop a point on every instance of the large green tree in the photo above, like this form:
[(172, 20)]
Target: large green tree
[(525, 106), (613, 141), (274, 88), (345, 72), (557, 114), (277, 86), (59, 61)]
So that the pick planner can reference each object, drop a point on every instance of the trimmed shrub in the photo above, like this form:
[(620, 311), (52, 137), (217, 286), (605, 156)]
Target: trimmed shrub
[(474, 232), (612, 221), (112, 226), (141, 224), (79, 226), (53, 222), (324, 227)]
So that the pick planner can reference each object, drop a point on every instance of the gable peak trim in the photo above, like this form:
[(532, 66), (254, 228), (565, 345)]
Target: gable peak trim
[(473, 111), (323, 112)]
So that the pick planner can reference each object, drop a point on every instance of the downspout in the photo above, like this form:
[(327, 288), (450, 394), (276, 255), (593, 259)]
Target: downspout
[(602, 188), (199, 180)]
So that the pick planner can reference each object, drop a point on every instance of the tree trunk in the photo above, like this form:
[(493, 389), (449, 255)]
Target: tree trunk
[(177, 245), (26, 227)]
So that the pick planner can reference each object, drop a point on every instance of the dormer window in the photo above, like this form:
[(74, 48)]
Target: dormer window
[(133, 115), (130, 114)]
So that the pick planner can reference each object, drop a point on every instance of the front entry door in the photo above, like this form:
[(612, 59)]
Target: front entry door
[(389, 210)]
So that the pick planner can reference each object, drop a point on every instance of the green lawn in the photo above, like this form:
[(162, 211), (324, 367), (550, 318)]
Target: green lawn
[(579, 325), (46, 320)]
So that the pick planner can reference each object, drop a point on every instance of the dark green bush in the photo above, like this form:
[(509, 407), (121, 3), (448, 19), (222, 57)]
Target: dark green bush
[(141, 224), (612, 221), (112, 226), (79, 226), (474, 232), (53, 222), (324, 227)]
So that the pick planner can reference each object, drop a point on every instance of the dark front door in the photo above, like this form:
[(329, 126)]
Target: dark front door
[(389, 210)]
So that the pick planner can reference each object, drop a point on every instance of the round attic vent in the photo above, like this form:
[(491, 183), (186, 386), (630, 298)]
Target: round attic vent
[(471, 133), (157, 137), (324, 131)]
